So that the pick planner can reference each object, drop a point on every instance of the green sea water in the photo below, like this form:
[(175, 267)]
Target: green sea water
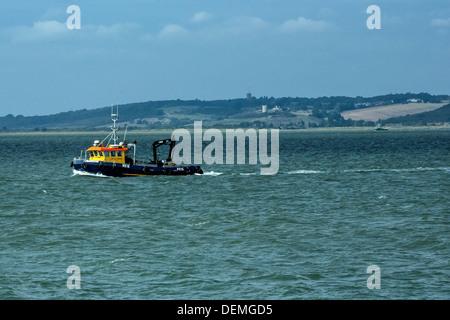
[(341, 201)]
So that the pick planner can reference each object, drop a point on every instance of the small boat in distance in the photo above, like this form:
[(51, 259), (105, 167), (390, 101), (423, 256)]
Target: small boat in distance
[(379, 127), (118, 159)]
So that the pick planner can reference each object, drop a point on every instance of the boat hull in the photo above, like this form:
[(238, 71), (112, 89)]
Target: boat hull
[(115, 169)]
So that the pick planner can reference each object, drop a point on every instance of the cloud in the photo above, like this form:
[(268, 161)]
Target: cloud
[(239, 27), (439, 22), (200, 17), (236, 27), (302, 24), (243, 25), (48, 28), (54, 31), (114, 30), (39, 31), (172, 30)]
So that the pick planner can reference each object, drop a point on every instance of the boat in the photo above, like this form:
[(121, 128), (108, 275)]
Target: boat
[(379, 128), (118, 159)]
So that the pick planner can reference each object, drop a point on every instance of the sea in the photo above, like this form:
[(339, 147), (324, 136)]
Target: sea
[(350, 215)]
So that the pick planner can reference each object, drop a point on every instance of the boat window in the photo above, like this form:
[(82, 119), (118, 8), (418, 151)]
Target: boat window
[(92, 154), (113, 153), (119, 153), (106, 153), (96, 154)]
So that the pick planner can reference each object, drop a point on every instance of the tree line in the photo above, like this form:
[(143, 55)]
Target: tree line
[(321, 111)]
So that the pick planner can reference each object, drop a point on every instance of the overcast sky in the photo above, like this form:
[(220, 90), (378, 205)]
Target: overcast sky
[(141, 50)]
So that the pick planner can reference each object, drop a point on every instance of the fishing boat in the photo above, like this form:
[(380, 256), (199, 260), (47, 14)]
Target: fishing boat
[(118, 159)]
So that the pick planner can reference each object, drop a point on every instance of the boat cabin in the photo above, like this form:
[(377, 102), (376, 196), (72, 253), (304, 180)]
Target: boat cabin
[(111, 153)]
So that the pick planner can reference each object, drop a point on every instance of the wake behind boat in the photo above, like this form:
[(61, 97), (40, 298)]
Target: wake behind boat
[(119, 159)]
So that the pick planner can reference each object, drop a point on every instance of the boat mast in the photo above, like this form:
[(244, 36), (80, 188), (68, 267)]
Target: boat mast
[(114, 117)]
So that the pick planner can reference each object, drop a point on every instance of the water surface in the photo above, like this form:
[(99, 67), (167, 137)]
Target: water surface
[(341, 202)]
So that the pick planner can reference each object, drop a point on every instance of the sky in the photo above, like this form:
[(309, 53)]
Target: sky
[(142, 50)]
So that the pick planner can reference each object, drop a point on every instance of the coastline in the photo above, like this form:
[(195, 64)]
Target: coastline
[(169, 131)]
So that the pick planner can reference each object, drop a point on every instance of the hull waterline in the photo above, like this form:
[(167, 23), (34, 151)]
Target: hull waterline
[(123, 169)]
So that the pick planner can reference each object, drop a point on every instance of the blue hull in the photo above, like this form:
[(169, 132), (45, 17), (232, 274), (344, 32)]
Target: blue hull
[(122, 170)]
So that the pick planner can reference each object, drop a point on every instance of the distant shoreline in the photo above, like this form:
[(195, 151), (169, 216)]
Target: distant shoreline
[(169, 131)]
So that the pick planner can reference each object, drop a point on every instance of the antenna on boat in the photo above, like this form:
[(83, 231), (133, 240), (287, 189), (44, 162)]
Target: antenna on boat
[(114, 117), (125, 136)]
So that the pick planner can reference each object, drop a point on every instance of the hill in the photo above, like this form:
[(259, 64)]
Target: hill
[(390, 111), (263, 112), (440, 115)]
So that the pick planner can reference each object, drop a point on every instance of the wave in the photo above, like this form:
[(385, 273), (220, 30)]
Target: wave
[(116, 260), (211, 173), (301, 171), (307, 171), (84, 173), (368, 170), (418, 169)]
